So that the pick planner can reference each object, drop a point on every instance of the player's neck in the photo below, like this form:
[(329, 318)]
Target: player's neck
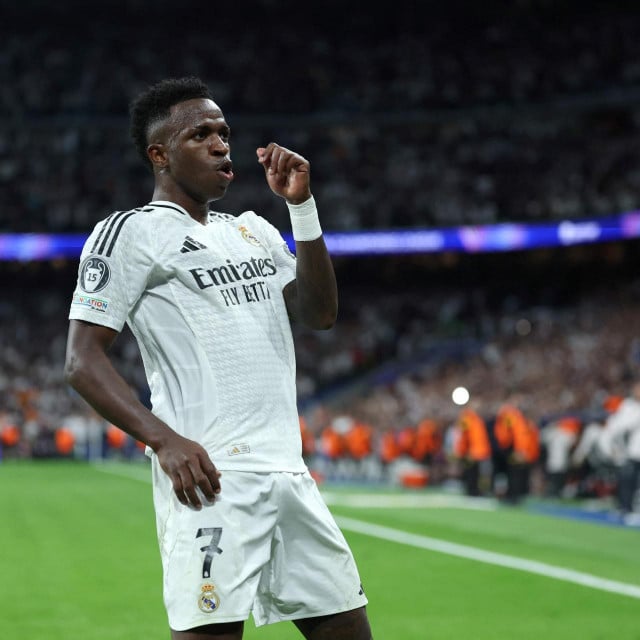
[(197, 210)]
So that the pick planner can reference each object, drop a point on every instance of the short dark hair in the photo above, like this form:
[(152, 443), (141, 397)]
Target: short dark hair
[(154, 104)]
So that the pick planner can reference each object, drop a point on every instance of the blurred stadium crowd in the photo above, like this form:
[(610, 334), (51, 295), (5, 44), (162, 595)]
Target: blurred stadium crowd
[(376, 391), (417, 115), (442, 118)]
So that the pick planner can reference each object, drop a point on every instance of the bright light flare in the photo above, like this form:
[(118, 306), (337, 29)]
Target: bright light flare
[(460, 395)]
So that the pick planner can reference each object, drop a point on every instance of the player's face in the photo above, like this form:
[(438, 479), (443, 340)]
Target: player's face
[(198, 150)]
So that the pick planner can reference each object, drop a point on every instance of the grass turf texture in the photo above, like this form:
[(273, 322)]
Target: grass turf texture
[(79, 559)]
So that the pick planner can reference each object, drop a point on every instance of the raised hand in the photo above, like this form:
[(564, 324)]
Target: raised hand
[(287, 172)]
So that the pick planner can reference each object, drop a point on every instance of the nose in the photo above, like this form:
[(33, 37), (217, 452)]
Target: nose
[(218, 146)]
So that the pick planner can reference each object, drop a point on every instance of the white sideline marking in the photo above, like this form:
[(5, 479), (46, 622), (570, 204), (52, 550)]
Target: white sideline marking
[(385, 501), (489, 557), (450, 548)]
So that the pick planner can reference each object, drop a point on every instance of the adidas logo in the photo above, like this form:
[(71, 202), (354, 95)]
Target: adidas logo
[(190, 244)]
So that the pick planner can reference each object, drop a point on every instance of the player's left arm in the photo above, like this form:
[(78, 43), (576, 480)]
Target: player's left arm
[(312, 298)]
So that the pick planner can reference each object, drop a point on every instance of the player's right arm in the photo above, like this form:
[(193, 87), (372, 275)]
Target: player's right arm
[(89, 370), (116, 263)]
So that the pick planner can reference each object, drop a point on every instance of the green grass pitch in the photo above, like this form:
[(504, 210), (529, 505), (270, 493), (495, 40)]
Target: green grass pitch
[(79, 559)]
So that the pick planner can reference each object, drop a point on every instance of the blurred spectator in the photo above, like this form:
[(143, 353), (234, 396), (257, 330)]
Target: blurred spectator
[(88, 429), (65, 442), (10, 437), (620, 442), (473, 448), (308, 441), (427, 446), (594, 473), (358, 442), (558, 439), (518, 439), (388, 452)]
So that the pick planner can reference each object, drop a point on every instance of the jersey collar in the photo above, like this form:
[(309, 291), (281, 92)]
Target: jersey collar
[(169, 205)]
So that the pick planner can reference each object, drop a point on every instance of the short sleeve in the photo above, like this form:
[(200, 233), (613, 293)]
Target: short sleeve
[(115, 265)]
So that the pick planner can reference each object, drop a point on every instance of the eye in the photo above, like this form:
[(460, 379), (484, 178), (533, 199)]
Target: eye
[(200, 134)]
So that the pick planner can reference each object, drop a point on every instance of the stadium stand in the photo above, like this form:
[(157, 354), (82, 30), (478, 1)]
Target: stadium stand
[(420, 116), (529, 113)]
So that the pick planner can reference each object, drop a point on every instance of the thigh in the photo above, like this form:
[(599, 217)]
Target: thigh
[(224, 631), (212, 558), (348, 625), (312, 570)]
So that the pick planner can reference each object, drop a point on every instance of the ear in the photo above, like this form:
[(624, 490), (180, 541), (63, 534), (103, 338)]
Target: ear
[(158, 155)]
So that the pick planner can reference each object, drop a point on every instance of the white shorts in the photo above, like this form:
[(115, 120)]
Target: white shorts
[(268, 547)]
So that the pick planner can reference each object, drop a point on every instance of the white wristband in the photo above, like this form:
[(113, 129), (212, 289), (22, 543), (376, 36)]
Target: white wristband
[(305, 223)]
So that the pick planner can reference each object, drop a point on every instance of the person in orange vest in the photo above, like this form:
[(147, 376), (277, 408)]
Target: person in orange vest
[(358, 440), (427, 448), (427, 441), (9, 435), (406, 439), (65, 442), (308, 441), (519, 440), (388, 447), (335, 457), (309, 450), (472, 447), (332, 443), (115, 438)]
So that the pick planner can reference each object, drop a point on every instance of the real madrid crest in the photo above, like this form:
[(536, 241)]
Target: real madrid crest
[(208, 601), (248, 236)]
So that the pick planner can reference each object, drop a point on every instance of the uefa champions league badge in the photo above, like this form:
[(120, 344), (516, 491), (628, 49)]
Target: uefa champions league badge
[(248, 236), (94, 274), (208, 601)]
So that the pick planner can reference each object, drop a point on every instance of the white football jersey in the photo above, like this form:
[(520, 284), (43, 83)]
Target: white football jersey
[(205, 304)]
